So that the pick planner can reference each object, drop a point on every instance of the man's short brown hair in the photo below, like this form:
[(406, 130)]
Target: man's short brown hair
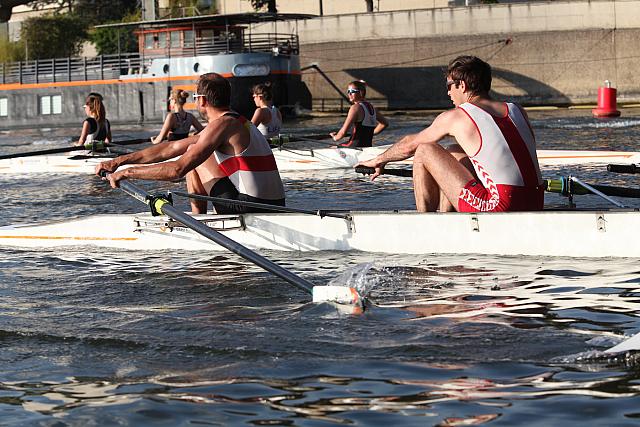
[(215, 88), (474, 71)]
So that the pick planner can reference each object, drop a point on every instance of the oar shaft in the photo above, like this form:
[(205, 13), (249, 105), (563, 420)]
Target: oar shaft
[(263, 206), (49, 151), (219, 238)]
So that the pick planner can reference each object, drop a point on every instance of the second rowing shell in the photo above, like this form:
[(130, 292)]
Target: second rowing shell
[(301, 160)]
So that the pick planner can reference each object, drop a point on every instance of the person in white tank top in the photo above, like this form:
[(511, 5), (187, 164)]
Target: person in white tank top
[(267, 117), (493, 167), (229, 159)]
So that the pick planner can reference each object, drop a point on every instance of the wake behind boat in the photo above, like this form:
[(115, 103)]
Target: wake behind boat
[(289, 160), (572, 233)]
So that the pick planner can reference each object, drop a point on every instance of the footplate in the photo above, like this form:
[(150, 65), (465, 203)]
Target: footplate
[(167, 225)]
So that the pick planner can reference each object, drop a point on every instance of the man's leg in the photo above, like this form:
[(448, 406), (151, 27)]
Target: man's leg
[(194, 186), (434, 170), (461, 157)]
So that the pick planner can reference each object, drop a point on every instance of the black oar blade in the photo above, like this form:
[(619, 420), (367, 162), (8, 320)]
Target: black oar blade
[(395, 172), (623, 168)]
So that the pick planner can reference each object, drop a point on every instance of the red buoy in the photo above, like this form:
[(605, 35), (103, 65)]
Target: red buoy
[(607, 106)]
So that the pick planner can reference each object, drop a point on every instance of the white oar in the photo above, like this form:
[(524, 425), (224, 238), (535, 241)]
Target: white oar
[(337, 294), (632, 343)]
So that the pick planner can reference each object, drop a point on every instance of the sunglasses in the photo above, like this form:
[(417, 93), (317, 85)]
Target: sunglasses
[(451, 83), (196, 96), (352, 91)]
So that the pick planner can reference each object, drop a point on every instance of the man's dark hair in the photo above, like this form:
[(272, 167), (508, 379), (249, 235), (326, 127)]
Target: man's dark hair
[(474, 71), (217, 89)]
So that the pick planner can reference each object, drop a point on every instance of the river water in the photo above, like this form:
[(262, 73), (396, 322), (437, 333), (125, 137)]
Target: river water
[(106, 337)]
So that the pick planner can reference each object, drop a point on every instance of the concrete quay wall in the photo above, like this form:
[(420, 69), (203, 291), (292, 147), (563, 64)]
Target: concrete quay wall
[(544, 53)]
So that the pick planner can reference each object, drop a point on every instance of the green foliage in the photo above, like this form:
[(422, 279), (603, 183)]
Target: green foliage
[(11, 51), (53, 36), (261, 4), (96, 12), (106, 39)]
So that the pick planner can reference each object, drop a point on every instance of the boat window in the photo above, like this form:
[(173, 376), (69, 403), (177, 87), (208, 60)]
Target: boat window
[(148, 41), (188, 38), (51, 104), (175, 39), (162, 40), (4, 107)]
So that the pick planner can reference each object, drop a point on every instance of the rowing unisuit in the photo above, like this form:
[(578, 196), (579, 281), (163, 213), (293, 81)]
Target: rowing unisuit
[(506, 164), (97, 131), (362, 132), (272, 128), (182, 127), (253, 174)]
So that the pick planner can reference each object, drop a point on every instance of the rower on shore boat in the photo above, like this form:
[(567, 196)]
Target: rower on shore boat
[(229, 159), (492, 168)]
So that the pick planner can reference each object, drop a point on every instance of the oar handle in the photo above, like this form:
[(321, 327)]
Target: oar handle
[(623, 168), (395, 172)]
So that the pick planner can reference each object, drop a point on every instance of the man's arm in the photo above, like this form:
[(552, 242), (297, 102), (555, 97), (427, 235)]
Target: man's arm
[(407, 146), (153, 154), (212, 136), (352, 117)]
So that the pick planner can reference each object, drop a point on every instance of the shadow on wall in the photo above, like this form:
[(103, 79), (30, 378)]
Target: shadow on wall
[(424, 87)]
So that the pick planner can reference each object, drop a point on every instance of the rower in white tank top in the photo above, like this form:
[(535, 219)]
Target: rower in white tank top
[(272, 128)]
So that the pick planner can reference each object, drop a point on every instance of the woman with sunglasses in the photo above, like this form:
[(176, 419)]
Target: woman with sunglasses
[(267, 117), (178, 123), (362, 119), (95, 127)]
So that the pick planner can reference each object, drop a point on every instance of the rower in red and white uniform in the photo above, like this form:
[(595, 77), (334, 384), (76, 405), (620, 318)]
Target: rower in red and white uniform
[(492, 168), (362, 120), (228, 159)]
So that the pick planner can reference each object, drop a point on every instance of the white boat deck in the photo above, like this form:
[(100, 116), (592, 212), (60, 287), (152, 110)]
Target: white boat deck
[(548, 233)]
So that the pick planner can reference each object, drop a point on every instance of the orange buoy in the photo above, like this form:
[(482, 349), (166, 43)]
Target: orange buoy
[(607, 106)]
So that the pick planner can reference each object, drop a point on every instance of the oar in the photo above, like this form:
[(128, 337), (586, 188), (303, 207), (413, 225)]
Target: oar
[(321, 213), (630, 344), (365, 170), (564, 186), (133, 141), (86, 146), (158, 204), (623, 168)]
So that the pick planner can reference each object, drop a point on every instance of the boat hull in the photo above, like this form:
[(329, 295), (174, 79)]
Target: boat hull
[(303, 159), (549, 233)]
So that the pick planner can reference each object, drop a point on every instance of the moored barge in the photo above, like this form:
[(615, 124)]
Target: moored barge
[(172, 54)]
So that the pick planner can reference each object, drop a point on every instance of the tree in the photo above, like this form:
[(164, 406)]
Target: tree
[(11, 51), (115, 40), (260, 4), (53, 36)]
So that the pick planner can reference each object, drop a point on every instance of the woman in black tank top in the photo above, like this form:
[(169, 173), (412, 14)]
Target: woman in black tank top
[(95, 127)]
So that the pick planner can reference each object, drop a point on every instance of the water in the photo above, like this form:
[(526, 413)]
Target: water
[(106, 337)]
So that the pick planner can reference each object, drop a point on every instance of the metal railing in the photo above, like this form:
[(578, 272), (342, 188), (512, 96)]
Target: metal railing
[(113, 66)]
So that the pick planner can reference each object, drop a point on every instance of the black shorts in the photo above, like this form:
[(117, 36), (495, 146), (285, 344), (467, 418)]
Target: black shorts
[(225, 189)]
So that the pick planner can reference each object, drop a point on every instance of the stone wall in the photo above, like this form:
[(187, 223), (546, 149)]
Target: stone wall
[(542, 53)]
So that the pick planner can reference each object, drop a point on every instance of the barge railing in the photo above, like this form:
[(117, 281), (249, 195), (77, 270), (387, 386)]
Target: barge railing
[(131, 64)]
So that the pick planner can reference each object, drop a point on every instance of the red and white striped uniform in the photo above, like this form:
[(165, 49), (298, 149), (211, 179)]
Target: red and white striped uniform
[(506, 163), (254, 171)]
